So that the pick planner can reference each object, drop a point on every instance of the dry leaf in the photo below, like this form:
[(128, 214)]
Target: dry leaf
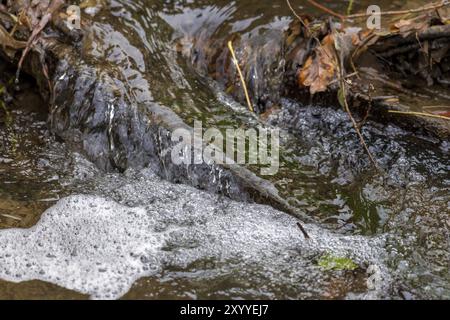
[(442, 113), (406, 27), (365, 38), (438, 110), (7, 41), (320, 70), (361, 36)]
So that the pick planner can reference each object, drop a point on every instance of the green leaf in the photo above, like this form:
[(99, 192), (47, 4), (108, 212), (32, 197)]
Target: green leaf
[(329, 262)]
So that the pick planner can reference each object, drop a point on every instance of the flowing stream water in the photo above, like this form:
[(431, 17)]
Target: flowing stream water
[(72, 230)]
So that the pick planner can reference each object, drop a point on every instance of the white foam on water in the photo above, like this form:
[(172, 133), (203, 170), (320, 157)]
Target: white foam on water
[(101, 244)]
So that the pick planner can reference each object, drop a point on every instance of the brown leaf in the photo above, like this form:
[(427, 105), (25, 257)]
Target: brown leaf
[(52, 8), (442, 113), (406, 27), (6, 41), (365, 38), (361, 36), (320, 70), (438, 110)]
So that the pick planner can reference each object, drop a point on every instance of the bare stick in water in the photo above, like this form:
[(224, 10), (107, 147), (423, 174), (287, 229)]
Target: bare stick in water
[(305, 234), (236, 63)]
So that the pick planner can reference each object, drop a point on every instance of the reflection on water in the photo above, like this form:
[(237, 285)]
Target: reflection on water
[(30, 159), (36, 170)]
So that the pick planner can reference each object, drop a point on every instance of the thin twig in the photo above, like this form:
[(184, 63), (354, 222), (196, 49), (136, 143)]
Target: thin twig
[(432, 6), (327, 10), (236, 63), (343, 86), (11, 217), (305, 234), (53, 6), (350, 7), (17, 22), (436, 107), (411, 113), (306, 26), (351, 75), (355, 125), (298, 16)]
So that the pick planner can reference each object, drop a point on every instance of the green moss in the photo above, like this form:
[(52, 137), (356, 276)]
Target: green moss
[(329, 262)]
